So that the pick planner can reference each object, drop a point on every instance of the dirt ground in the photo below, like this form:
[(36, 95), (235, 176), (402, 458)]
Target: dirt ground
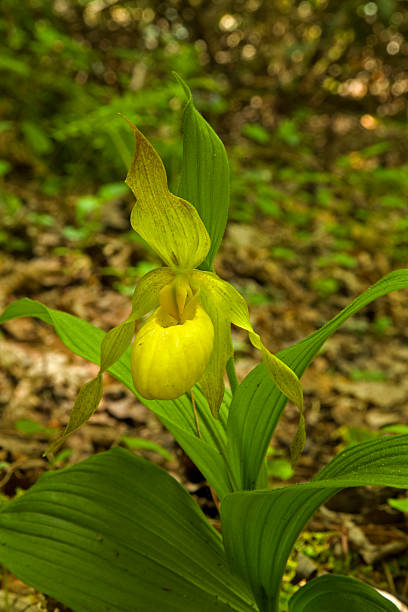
[(356, 385)]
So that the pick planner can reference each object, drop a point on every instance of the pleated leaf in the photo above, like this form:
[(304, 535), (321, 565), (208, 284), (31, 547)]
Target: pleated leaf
[(260, 527), (117, 533), (258, 404), (177, 415), (333, 593), (205, 175)]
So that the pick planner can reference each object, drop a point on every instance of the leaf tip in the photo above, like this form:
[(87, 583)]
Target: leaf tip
[(184, 85)]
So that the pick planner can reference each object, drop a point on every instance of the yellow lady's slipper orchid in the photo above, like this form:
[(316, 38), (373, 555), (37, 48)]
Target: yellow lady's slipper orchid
[(187, 338)]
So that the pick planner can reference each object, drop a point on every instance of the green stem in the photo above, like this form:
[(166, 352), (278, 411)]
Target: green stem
[(232, 375)]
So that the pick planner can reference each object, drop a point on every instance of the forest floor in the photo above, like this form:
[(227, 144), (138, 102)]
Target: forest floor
[(355, 386)]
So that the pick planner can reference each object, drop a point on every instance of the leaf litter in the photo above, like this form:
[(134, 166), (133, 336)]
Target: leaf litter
[(39, 378)]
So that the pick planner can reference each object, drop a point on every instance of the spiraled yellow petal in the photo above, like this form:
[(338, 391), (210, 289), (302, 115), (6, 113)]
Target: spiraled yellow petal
[(235, 310), (114, 344), (168, 358), (212, 380)]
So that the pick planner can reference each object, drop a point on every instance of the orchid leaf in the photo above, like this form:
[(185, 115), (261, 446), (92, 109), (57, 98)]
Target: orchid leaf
[(261, 527), (169, 224), (333, 593), (258, 403), (117, 533), (205, 174)]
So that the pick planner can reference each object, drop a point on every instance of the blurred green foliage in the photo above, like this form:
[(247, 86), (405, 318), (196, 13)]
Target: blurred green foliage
[(278, 467), (399, 504), (30, 428), (308, 96), (70, 66), (141, 444)]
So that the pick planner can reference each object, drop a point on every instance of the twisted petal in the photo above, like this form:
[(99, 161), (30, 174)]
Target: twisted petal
[(212, 380), (171, 226), (114, 344), (228, 301)]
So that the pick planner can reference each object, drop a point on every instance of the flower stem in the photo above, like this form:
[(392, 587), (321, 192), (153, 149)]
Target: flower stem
[(195, 413), (232, 375), (213, 494)]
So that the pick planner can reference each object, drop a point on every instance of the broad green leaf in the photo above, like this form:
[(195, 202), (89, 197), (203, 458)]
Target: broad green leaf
[(258, 404), (117, 533), (333, 593), (205, 174), (177, 415), (169, 224), (260, 527)]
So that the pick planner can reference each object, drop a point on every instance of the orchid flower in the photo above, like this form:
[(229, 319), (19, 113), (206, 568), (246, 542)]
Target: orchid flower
[(187, 337)]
